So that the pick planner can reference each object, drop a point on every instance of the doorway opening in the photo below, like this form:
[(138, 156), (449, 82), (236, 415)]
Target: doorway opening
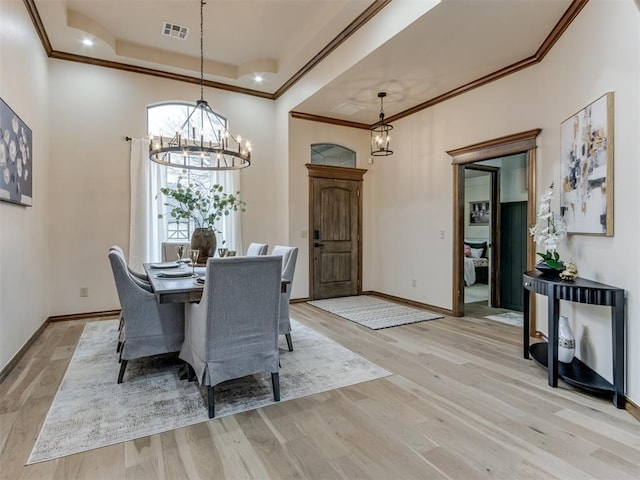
[(481, 187), (521, 146)]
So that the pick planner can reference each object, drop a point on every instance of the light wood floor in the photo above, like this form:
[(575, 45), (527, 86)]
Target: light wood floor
[(481, 310), (462, 403)]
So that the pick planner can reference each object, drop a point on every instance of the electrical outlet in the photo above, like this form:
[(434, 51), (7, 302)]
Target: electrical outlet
[(413, 283), (84, 291), (304, 234), (441, 234)]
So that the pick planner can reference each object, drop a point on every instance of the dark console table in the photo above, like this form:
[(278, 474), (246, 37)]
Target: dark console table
[(576, 373)]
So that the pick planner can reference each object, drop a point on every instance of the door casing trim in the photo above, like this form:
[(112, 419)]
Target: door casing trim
[(523, 142)]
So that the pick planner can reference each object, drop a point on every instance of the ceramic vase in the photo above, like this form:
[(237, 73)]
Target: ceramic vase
[(205, 241), (566, 341)]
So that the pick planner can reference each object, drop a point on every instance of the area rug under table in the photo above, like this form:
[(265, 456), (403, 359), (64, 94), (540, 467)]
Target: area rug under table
[(373, 312), (90, 410)]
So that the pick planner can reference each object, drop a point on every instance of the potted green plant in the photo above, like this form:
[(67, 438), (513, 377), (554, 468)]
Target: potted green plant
[(548, 231), (203, 206)]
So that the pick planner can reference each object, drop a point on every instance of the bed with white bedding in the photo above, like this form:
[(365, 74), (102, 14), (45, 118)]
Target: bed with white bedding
[(476, 263), (473, 270)]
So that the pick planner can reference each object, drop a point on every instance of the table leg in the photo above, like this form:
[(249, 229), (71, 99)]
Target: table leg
[(525, 326), (617, 339), (552, 347)]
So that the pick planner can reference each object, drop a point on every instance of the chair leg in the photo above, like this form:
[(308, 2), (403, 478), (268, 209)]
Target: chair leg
[(120, 327), (123, 366), (289, 342), (275, 381), (211, 403), (191, 373)]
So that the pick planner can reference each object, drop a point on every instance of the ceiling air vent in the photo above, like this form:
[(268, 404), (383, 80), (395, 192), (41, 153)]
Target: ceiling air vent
[(173, 30), (347, 109)]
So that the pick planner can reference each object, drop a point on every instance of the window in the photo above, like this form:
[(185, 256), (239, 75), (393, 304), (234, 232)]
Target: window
[(168, 117), (332, 154)]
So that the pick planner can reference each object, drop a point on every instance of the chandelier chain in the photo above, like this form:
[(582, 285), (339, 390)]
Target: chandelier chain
[(203, 141), (202, 49)]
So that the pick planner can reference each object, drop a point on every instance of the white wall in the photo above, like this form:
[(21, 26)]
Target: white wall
[(302, 134), (92, 110), (413, 193), (23, 236), (513, 179)]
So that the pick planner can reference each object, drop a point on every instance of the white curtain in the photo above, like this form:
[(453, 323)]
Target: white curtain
[(230, 225), (146, 227)]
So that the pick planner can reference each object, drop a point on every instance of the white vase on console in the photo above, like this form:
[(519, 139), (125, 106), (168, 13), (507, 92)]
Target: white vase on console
[(566, 341)]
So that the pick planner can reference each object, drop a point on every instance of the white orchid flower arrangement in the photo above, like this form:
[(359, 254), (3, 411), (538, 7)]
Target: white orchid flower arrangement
[(548, 231)]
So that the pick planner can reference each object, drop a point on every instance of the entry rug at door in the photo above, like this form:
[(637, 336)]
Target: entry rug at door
[(90, 410), (372, 312), (511, 318)]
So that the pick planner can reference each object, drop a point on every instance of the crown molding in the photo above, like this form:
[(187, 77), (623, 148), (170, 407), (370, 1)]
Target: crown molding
[(330, 120), (567, 18)]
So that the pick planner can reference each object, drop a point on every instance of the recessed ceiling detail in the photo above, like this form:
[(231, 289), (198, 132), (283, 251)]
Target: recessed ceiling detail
[(423, 52), (174, 30), (85, 24)]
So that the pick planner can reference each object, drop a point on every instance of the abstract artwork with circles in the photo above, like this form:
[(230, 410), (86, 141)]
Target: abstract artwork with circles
[(16, 161)]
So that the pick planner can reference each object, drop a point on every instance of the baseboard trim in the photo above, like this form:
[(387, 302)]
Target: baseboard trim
[(632, 408), (299, 300), (413, 303), (4, 373), (6, 370), (83, 316)]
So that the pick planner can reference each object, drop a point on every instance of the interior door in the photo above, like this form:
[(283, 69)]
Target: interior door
[(335, 233), (513, 253)]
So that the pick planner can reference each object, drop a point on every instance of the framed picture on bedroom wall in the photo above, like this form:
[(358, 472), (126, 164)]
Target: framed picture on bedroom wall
[(479, 213), (16, 166), (586, 169)]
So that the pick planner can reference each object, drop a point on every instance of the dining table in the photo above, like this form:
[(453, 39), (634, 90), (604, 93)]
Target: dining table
[(174, 282)]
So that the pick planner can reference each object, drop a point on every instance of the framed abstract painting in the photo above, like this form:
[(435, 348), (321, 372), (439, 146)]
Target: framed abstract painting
[(16, 162), (586, 169)]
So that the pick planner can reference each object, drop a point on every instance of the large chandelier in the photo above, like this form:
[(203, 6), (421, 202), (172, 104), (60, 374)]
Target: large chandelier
[(202, 141), (380, 138)]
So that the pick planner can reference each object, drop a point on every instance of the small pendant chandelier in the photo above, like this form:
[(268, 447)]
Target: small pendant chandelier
[(203, 141), (380, 138)]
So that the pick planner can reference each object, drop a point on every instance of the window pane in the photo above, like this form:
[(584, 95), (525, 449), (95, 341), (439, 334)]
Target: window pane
[(332, 154), (167, 119)]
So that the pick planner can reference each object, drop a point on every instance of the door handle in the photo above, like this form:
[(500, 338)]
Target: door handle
[(318, 244)]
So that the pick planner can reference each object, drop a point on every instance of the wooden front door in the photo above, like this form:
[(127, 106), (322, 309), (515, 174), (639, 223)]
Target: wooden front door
[(336, 225)]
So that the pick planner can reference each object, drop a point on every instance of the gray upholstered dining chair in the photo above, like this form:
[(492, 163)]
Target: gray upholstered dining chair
[(233, 331), (289, 256), (169, 252), (136, 274), (150, 328), (141, 279), (257, 249)]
